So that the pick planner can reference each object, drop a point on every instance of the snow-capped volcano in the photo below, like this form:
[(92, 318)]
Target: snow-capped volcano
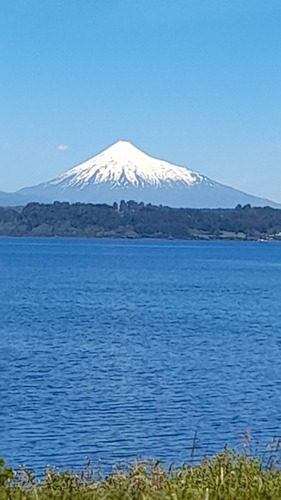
[(124, 165), (124, 172)]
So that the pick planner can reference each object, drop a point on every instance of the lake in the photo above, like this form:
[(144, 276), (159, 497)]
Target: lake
[(115, 349)]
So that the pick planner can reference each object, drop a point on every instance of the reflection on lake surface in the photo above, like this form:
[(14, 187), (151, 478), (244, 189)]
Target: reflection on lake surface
[(112, 349)]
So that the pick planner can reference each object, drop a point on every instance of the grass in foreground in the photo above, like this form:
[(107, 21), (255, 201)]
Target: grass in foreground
[(228, 475)]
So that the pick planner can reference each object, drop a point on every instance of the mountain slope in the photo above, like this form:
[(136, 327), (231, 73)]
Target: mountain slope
[(124, 172), (123, 166), (13, 199)]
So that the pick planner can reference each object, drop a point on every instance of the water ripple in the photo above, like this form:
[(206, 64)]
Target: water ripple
[(117, 349)]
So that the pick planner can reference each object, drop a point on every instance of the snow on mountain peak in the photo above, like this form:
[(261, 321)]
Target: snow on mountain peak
[(123, 172), (124, 165)]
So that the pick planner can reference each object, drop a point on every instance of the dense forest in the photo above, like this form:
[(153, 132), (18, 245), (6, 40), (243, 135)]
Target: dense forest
[(136, 220)]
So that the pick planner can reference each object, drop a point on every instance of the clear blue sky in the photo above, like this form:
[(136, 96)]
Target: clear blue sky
[(197, 82)]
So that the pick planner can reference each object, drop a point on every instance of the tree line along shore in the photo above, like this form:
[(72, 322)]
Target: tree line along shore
[(136, 220)]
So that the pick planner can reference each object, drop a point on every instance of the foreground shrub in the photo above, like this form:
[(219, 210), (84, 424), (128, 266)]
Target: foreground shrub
[(228, 475)]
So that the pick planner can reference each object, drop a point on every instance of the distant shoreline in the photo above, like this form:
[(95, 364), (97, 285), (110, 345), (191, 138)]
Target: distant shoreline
[(135, 221), (117, 238)]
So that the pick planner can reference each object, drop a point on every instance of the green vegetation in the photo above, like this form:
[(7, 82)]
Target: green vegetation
[(136, 220), (226, 476)]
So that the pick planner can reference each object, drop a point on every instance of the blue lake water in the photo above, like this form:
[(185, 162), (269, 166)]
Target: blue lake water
[(115, 349)]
